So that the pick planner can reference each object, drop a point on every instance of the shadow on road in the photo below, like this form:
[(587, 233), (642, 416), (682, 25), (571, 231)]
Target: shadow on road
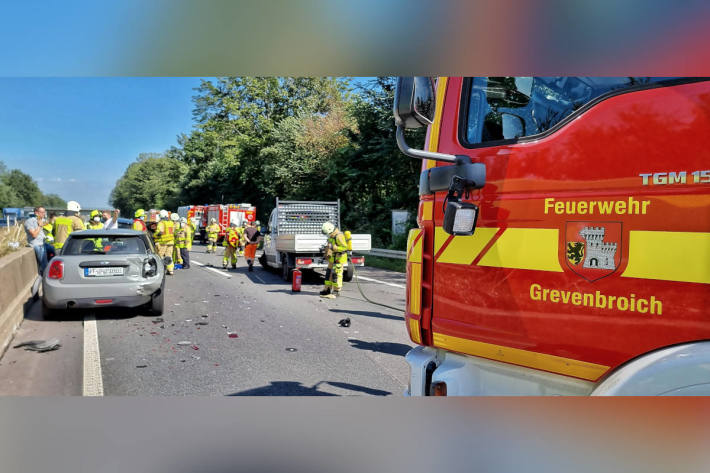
[(294, 388), (368, 313), (398, 349)]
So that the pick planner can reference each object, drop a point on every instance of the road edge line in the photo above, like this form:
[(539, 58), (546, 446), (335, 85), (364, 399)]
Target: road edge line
[(204, 266), (381, 282), (93, 384)]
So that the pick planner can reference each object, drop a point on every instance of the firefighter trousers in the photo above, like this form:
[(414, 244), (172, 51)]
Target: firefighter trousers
[(335, 271), (230, 254), (212, 245), (166, 250)]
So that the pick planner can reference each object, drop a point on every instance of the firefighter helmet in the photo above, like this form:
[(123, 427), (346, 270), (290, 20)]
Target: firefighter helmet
[(73, 206), (140, 213), (94, 213), (164, 214), (174, 217), (327, 228)]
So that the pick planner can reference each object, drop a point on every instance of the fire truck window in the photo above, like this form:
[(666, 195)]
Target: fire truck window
[(501, 108)]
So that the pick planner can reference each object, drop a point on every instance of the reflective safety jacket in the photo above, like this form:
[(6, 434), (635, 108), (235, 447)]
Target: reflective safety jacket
[(48, 237), (165, 234), (139, 225), (190, 235), (213, 230), (63, 226), (231, 238), (337, 242), (180, 237), (94, 226)]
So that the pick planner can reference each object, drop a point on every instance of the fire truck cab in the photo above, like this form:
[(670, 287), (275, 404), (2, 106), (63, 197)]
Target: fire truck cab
[(563, 245)]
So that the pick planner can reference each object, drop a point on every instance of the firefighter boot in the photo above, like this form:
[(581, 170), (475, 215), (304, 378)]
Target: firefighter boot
[(325, 292)]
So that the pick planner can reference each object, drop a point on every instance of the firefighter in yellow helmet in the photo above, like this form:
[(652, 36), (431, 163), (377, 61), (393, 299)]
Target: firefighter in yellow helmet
[(165, 239), (139, 221), (94, 222), (63, 226), (185, 242), (179, 239), (336, 252), (212, 230), (231, 244)]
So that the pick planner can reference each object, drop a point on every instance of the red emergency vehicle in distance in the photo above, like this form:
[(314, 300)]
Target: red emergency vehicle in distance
[(564, 234), (224, 214)]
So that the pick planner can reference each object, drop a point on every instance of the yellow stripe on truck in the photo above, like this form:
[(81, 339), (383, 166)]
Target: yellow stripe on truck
[(427, 210), (669, 256), (525, 248), (464, 249), (415, 290), (414, 254), (414, 331), (540, 361), (436, 126)]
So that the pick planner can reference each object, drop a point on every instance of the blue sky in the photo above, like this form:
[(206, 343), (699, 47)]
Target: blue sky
[(75, 137)]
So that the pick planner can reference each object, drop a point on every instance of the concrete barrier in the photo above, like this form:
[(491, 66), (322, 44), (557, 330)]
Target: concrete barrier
[(18, 272)]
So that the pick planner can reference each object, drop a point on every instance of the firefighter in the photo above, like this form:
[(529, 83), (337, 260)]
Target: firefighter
[(212, 233), (182, 235), (179, 240), (190, 228), (94, 222), (242, 238), (165, 239), (336, 252), (63, 226), (231, 243), (139, 221)]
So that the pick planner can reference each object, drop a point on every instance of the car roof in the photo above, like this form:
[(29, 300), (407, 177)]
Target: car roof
[(105, 233)]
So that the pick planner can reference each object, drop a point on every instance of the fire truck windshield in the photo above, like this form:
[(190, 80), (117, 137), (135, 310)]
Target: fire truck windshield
[(536, 103)]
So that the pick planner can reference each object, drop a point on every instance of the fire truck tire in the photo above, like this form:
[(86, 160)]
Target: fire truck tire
[(348, 273), (285, 268)]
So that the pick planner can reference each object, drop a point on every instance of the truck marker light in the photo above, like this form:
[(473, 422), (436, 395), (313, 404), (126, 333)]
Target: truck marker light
[(103, 301), (438, 388)]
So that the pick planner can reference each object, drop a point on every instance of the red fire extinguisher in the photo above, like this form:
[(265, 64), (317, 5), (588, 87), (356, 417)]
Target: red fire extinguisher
[(296, 280)]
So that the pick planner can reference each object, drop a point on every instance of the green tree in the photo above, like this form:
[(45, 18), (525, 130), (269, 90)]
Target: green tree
[(24, 187)]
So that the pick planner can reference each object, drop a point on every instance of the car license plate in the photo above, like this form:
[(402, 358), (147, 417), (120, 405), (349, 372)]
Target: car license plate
[(110, 271)]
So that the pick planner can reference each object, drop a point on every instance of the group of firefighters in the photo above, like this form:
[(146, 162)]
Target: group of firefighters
[(173, 236)]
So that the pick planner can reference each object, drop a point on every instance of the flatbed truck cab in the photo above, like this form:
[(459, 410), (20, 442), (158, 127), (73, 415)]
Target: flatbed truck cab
[(563, 245)]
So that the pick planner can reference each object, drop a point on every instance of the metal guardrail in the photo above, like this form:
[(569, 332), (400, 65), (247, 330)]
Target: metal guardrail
[(395, 254)]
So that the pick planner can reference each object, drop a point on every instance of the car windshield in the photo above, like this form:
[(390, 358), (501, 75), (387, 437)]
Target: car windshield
[(108, 245)]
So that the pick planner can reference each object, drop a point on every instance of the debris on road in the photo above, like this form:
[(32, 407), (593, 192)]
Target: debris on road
[(232, 335), (141, 366), (291, 349), (40, 345), (184, 343), (195, 347), (201, 323), (344, 322), (158, 320), (195, 357)]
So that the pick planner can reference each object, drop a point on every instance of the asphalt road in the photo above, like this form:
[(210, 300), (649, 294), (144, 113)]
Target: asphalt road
[(246, 334)]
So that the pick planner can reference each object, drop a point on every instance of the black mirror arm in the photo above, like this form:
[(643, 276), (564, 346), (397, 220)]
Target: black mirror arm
[(418, 153)]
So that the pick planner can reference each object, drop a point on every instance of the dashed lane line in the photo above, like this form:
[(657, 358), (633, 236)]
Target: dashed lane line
[(93, 384), (381, 282), (204, 266)]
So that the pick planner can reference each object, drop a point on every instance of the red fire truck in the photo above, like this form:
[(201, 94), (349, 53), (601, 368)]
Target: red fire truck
[(564, 235), (226, 214)]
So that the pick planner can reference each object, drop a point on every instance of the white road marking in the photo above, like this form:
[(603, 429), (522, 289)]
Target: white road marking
[(228, 276), (93, 380), (381, 282), (257, 277)]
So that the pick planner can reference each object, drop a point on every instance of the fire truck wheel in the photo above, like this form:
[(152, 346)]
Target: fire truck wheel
[(262, 261), (285, 268), (348, 273)]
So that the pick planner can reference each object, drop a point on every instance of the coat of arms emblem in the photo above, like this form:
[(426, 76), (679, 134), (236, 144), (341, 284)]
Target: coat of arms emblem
[(593, 249)]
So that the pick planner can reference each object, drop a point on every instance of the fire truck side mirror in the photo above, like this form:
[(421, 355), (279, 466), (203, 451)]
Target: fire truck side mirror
[(414, 102), (414, 107)]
